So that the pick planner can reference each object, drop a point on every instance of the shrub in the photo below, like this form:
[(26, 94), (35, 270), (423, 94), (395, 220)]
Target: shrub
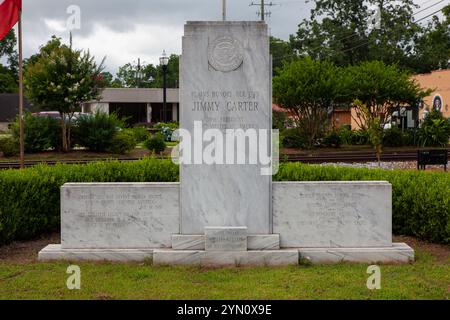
[(332, 139), (293, 138), (167, 129), (156, 143), (30, 198), (410, 137), (393, 137), (9, 146), (279, 120), (40, 133), (354, 137), (123, 142), (421, 200), (96, 132), (140, 134), (435, 131)]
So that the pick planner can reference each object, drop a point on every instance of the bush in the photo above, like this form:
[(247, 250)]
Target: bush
[(167, 129), (435, 131), (293, 138), (96, 132), (140, 134), (332, 139), (279, 120), (123, 142), (29, 198), (393, 137), (418, 208), (9, 147), (40, 133), (156, 144), (410, 137), (352, 137)]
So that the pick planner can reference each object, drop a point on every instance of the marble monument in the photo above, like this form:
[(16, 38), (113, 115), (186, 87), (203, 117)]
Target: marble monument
[(226, 213)]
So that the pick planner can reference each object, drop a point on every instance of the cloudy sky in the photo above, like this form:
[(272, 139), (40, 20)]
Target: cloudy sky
[(126, 30)]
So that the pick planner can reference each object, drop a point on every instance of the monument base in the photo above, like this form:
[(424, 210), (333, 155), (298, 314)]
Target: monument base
[(54, 252), (398, 253)]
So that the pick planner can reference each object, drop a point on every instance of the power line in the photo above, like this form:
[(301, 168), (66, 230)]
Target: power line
[(429, 15), (435, 4), (414, 14), (262, 5), (366, 42)]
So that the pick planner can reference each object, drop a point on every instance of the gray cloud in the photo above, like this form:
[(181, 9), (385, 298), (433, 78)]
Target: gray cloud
[(125, 30)]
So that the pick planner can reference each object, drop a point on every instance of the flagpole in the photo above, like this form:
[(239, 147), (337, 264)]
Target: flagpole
[(21, 124)]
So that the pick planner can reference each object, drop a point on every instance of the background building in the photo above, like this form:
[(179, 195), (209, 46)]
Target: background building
[(439, 81), (9, 109), (138, 105)]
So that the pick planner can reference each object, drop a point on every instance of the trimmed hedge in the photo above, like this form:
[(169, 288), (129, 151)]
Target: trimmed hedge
[(420, 200), (30, 198)]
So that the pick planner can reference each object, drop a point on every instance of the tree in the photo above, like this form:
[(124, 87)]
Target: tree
[(434, 131), (374, 128), (344, 33), (307, 89), (8, 83), (61, 78), (9, 75), (281, 52), (172, 73), (8, 50), (132, 75), (128, 77), (381, 89), (433, 45), (108, 78)]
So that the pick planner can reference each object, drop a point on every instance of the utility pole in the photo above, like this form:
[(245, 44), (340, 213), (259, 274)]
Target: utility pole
[(224, 10), (262, 5), (138, 74)]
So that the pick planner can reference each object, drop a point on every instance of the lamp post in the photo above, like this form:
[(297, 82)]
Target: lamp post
[(164, 61)]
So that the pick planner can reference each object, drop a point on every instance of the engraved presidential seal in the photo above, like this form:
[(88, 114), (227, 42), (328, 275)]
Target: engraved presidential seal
[(225, 54)]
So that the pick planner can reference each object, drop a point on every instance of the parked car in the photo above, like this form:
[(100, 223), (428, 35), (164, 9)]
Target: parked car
[(56, 115)]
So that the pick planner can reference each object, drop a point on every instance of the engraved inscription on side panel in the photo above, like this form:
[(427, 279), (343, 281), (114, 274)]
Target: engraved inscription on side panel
[(119, 216)]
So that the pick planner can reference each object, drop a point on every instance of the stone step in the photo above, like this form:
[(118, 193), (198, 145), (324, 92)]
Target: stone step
[(54, 252), (254, 242), (226, 258), (397, 253)]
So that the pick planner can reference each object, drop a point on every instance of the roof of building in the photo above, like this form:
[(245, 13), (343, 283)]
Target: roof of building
[(138, 95), (9, 106)]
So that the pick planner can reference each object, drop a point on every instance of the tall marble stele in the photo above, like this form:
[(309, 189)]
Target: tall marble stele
[(225, 83), (227, 214)]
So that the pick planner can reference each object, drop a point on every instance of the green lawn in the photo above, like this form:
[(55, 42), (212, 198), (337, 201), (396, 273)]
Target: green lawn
[(428, 278)]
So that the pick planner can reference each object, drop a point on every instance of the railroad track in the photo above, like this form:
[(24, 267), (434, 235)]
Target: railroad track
[(32, 163), (348, 157), (352, 157)]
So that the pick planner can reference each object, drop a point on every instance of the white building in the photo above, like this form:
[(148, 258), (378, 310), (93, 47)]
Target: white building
[(138, 105)]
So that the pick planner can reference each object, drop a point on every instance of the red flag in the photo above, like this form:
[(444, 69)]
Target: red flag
[(9, 15)]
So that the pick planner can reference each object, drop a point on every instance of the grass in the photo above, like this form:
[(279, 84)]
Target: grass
[(428, 278)]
